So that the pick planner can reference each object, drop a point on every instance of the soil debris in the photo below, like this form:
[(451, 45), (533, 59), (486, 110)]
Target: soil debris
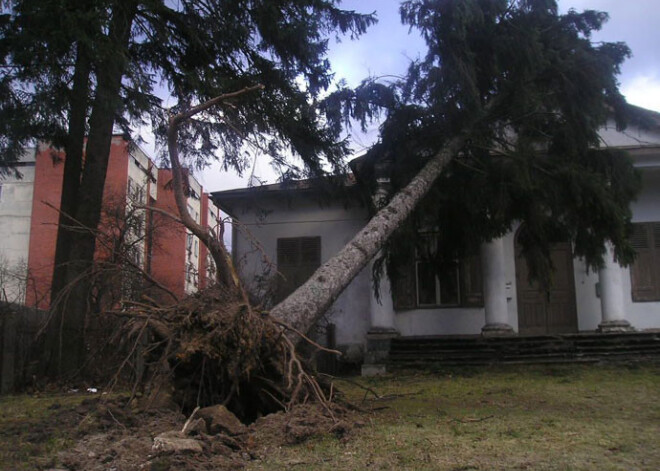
[(153, 440)]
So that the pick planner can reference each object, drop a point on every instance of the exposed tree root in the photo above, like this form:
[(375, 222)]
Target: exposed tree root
[(214, 348)]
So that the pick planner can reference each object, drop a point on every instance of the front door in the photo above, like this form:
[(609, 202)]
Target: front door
[(547, 312)]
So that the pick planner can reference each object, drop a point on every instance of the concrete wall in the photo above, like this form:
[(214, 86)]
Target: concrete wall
[(268, 218), (193, 265), (142, 187), (209, 215), (16, 195)]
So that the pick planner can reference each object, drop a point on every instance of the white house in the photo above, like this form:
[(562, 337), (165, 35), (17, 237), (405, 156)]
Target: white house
[(292, 229)]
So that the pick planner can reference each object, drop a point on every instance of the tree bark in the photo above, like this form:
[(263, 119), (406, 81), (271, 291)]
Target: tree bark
[(72, 168), (305, 306), (68, 354)]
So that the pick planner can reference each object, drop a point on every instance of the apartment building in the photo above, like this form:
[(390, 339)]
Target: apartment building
[(154, 242)]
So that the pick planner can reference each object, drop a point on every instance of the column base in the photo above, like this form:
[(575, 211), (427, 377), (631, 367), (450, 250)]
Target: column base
[(620, 325), (378, 350), (497, 330)]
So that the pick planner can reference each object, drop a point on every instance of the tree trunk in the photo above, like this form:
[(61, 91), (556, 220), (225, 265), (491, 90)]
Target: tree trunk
[(72, 168), (305, 306), (67, 355)]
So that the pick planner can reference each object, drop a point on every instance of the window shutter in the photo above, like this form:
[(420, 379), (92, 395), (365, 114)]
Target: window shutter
[(297, 260), (643, 272), (404, 291), (472, 290)]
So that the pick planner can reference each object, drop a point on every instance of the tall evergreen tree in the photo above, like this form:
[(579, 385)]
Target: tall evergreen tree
[(72, 70), (497, 124), (535, 158)]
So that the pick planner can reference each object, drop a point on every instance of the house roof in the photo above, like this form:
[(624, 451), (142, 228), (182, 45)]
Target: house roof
[(312, 186), (361, 171), (645, 118)]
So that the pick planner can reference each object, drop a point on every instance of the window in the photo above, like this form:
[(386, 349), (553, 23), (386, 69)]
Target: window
[(135, 191), (645, 271), (190, 273), (419, 284), (193, 213), (435, 289), (196, 247), (297, 260), (139, 224)]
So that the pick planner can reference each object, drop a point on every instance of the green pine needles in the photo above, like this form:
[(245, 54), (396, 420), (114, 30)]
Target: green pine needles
[(539, 90)]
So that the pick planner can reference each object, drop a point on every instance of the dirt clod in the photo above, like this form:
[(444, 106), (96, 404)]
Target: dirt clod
[(218, 419), (175, 442)]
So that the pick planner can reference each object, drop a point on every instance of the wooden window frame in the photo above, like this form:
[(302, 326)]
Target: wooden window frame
[(406, 292), (302, 267)]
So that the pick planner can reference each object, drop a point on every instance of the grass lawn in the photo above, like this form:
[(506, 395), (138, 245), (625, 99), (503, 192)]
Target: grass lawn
[(32, 428), (572, 417)]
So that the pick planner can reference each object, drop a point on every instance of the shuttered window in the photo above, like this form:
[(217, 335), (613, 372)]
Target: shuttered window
[(645, 271), (297, 260), (418, 285)]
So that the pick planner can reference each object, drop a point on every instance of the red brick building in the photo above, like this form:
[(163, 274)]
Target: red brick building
[(179, 260)]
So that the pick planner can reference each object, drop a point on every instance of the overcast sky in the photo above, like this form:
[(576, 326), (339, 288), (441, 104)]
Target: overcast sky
[(388, 47)]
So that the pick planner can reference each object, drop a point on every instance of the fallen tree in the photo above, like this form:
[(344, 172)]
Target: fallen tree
[(471, 95), (520, 92), (215, 347)]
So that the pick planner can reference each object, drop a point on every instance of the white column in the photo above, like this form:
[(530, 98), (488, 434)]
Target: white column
[(611, 296), (382, 329), (494, 281)]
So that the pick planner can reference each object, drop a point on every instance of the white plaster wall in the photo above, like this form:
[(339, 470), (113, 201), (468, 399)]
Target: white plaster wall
[(271, 218), (631, 137), (586, 301), (15, 215), (510, 270), (445, 321)]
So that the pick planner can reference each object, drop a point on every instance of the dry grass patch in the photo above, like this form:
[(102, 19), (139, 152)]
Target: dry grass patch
[(513, 417), (34, 428)]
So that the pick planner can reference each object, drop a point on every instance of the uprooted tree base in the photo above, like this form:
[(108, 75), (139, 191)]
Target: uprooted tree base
[(215, 348)]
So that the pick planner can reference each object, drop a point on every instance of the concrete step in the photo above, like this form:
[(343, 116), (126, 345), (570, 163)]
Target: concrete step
[(588, 347)]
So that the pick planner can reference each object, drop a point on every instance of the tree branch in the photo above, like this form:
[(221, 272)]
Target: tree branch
[(226, 272)]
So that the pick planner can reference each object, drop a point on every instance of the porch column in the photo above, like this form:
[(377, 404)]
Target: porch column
[(611, 296), (382, 329), (494, 281)]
